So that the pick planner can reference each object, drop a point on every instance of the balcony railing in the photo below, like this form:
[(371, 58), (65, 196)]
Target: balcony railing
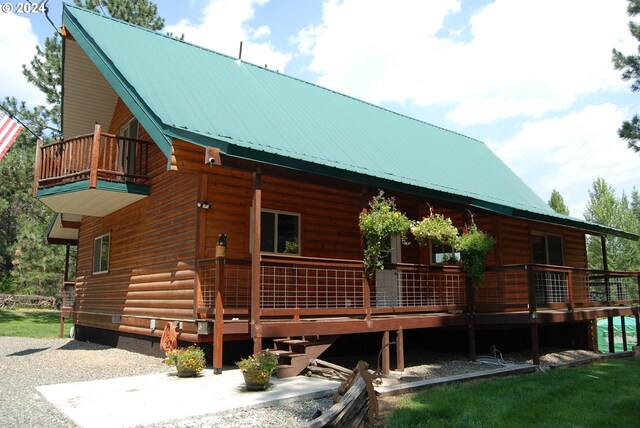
[(92, 157)]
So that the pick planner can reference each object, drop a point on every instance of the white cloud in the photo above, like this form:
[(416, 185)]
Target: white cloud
[(20, 50), (567, 153), (224, 24), (524, 58)]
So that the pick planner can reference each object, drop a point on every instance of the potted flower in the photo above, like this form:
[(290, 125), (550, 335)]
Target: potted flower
[(377, 226), (257, 369), (189, 361), (474, 247)]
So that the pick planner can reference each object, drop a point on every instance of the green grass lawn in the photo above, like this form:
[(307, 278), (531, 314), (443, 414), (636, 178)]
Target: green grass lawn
[(32, 323), (598, 395)]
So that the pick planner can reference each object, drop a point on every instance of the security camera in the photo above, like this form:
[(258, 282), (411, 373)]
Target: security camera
[(211, 161)]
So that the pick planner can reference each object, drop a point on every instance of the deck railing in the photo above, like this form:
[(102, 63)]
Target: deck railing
[(303, 285), (313, 286), (518, 287), (92, 157)]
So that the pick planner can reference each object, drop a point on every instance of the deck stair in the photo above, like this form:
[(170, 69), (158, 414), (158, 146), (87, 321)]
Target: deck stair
[(295, 353)]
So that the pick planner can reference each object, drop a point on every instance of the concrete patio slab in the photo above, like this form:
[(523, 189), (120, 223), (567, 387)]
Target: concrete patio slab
[(144, 400)]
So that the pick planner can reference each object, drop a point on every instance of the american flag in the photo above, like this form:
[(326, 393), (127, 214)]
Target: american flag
[(9, 131)]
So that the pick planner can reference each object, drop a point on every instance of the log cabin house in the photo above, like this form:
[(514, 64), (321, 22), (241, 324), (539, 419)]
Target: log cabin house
[(168, 146)]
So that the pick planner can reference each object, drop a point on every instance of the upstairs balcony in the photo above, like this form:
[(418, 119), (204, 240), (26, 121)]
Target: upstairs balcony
[(93, 174)]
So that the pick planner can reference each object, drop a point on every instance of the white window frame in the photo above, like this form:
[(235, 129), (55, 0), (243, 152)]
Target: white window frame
[(93, 258), (432, 255), (277, 212)]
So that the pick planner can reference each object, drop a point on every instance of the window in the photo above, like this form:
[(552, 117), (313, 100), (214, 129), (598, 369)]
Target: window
[(127, 157), (441, 254), (279, 232), (101, 254), (547, 249)]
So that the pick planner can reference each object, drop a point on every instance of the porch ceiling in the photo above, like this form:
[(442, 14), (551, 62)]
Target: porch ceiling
[(79, 199)]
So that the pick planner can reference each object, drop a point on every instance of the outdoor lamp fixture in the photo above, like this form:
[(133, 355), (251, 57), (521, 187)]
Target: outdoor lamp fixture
[(203, 204)]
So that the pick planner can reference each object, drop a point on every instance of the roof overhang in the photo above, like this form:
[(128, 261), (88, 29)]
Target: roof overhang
[(63, 229)]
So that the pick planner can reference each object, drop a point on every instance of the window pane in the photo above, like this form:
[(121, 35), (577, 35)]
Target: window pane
[(267, 231), (287, 233), (104, 262), (441, 254), (555, 250), (97, 244)]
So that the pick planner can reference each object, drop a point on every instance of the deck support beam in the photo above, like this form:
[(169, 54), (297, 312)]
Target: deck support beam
[(472, 319), (64, 283), (535, 347), (400, 350), (533, 314), (386, 366), (624, 332), (256, 330)]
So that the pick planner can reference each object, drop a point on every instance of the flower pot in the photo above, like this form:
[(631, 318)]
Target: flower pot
[(183, 372), (252, 385)]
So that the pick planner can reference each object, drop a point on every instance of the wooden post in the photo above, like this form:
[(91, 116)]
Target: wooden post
[(533, 312), (624, 333), (256, 330), (95, 157), (64, 287), (37, 168), (605, 267), (471, 309), (570, 290), (400, 349), (607, 291), (218, 324), (386, 366), (610, 332), (535, 347), (366, 296)]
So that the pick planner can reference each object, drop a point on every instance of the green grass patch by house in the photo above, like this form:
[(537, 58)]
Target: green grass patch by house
[(597, 395), (31, 323)]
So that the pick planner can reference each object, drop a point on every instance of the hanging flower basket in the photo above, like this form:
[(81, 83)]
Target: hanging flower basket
[(474, 248), (377, 226), (437, 229)]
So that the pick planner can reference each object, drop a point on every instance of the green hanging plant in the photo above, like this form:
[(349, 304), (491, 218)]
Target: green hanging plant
[(435, 228), (377, 226), (474, 247)]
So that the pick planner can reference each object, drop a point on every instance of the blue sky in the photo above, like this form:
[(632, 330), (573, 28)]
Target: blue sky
[(531, 78)]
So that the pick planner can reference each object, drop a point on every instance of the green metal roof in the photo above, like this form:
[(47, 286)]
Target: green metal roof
[(181, 90)]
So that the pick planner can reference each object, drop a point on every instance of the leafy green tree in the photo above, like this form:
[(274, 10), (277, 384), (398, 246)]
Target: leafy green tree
[(606, 209), (27, 265), (557, 203), (635, 202), (630, 67)]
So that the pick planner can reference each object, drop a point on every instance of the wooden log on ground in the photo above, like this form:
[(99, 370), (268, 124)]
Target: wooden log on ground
[(356, 402)]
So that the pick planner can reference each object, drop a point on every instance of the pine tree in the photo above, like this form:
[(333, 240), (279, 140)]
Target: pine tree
[(630, 66), (606, 209), (557, 203)]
